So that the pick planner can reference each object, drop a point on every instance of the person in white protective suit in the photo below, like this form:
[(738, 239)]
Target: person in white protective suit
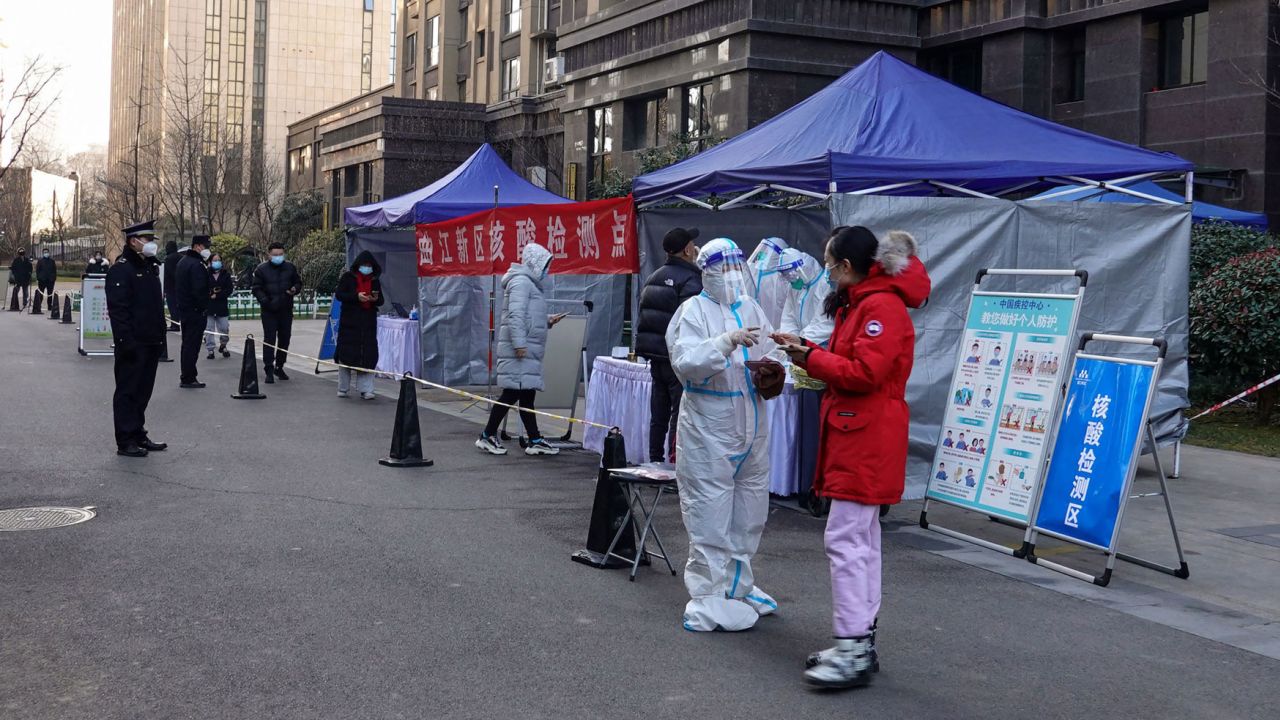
[(722, 442), (768, 287), (802, 313)]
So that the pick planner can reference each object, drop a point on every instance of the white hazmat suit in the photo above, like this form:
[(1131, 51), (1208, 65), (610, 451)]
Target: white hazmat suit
[(802, 314), (768, 287), (722, 442)]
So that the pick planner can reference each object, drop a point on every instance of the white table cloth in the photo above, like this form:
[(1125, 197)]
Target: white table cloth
[(618, 395), (399, 346), (784, 452)]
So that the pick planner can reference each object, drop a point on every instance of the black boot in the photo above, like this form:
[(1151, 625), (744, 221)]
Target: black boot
[(269, 377), (130, 449), (280, 373)]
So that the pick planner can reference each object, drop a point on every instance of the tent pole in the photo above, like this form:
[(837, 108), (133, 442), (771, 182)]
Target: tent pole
[(493, 312), (1188, 195)]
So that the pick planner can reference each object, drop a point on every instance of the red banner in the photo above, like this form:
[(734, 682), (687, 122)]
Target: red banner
[(589, 238)]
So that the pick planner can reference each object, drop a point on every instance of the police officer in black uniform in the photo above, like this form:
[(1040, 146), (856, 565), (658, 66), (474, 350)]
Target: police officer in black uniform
[(191, 297), (136, 306)]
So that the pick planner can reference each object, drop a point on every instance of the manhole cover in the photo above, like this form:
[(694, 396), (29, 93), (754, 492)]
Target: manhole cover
[(43, 518)]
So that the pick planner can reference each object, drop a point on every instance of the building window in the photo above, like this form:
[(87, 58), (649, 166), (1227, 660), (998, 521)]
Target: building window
[(433, 92), (1071, 65), (391, 58), (697, 114), (601, 139), (960, 66), (366, 182), (511, 10), (433, 41), (366, 49), (644, 123), (511, 78), (1184, 49), (350, 181), (410, 50), (480, 44)]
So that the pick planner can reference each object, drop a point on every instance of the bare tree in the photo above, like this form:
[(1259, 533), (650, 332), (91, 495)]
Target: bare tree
[(42, 152), (25, 100)]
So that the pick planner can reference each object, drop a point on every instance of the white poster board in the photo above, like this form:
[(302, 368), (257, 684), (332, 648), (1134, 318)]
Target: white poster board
[(95, 323)]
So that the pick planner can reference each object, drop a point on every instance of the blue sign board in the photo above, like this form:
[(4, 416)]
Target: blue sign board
[(1090, 466), (1002, 402), (329, 344)]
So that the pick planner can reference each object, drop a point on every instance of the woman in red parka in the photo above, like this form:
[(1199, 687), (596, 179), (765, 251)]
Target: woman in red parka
[(862, 449)]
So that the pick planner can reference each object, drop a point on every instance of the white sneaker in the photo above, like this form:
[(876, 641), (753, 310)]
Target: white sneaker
[(343, 394), (540, 447), (491, 445), (848, 667), (367, 396)]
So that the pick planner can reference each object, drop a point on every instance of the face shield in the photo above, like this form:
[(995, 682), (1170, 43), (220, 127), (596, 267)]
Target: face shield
[(790, 266), (723, 271)]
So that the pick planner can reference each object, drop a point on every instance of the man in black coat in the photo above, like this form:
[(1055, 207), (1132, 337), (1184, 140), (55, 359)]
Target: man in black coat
[(191, 296), (673, 283), (275, 282), (172, 256), (46, 278), (20, 271), (136, 307)]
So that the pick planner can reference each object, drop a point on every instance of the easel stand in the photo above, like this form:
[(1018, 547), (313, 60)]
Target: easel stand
[(988, 317), (1064, 455)]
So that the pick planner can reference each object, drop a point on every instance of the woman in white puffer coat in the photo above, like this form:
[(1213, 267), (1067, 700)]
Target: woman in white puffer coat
[(522, 342)]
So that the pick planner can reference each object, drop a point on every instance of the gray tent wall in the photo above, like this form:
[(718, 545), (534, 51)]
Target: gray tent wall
[(455, 310), (803, 229), (1137, 257)]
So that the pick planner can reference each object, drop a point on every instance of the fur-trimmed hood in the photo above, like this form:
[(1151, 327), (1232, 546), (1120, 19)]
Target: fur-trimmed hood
[(895, 250), (896, 270)]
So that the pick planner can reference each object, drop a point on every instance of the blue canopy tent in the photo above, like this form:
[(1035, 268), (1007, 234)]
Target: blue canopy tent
[(1200, 211), (887, 127), (468, 189)]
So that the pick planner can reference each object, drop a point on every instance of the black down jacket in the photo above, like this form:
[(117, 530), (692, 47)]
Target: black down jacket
[(663, 292), (358, 326)]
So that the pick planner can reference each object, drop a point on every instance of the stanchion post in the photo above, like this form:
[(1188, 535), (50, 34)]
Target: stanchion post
[(248, 389), (406, 435)]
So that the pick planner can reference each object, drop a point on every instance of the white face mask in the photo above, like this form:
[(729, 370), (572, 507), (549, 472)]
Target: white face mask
[(204, 254), (149, 249)]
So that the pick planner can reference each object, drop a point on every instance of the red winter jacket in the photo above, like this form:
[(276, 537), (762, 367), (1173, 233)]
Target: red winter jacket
[(862, 448)]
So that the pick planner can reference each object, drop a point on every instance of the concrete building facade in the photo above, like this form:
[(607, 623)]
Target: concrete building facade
[(240, 71)]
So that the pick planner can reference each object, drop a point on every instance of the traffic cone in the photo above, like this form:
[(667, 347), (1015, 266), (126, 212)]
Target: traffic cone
[(248, 374), (406, 436), (607, 512), (164, 348), (13, 302), (55, 312), (66, 310), (35, 305)]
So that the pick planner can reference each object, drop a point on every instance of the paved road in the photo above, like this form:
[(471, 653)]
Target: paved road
[(267, 567)]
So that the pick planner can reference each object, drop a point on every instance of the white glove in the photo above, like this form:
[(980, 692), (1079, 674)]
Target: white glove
[(745, 337)]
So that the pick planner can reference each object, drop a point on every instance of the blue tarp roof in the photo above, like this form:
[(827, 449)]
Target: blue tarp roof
[(1200, 211), (468, 189), (886, 121)]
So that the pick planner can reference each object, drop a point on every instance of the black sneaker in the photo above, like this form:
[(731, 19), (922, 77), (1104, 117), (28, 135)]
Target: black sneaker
[(209, 356), (280, 373), (130, 450), (225, 352), (270, 379), (192, 385)]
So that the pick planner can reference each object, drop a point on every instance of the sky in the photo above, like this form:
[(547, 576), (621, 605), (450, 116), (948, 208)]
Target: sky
[(77, 35)]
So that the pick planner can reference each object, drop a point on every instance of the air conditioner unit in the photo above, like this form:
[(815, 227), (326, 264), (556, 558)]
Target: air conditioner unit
[(553, 71)]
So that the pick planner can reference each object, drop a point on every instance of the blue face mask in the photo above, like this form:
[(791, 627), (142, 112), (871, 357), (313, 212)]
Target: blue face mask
[(831, 282), (217, 264), (366, 270), (277, 259)]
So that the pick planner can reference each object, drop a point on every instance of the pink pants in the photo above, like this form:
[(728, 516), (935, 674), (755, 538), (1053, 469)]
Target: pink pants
[(853, 547)]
